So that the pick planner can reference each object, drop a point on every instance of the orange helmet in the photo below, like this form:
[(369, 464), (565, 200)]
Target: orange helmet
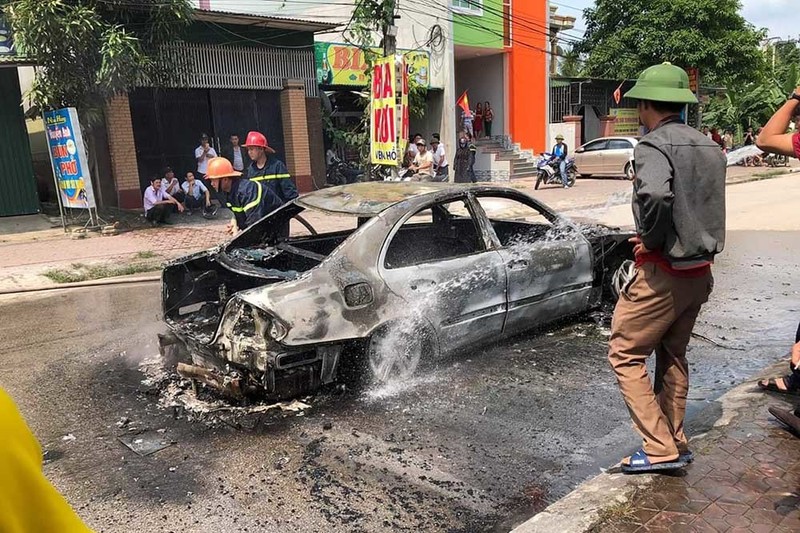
[(257, 140), (219, 167)]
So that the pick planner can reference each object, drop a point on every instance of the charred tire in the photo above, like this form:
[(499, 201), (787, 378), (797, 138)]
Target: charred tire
[(629, 173), (539, 179), (395, 350), (621, 277)]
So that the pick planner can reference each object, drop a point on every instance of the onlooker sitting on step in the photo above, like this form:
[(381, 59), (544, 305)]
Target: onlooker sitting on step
[(196, 194), (170, 184), (157, 203)]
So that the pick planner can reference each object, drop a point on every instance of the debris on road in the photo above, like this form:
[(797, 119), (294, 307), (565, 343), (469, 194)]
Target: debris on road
[(69, 438), (146, 443)]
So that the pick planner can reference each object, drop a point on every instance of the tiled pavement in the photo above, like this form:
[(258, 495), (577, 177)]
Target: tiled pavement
[(745, 478)]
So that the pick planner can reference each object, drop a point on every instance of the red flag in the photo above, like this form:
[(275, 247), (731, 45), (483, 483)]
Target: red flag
[(618, 93), (463, 102)]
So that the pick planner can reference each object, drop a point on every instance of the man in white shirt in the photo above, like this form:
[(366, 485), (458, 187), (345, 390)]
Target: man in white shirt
[(203, 154), (439, 159), (157, 203), (170, 184), (423, 163), (197, 194)]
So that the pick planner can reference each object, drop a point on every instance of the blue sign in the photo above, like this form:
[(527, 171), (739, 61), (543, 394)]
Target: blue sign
[(68, 157), (6, 40)]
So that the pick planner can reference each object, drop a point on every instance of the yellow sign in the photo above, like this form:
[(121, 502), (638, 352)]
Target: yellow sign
[(343, 64), (383, 123), (627, 122)]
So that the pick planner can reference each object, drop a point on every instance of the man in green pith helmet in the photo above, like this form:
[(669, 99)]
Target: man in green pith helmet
[(679, 211)]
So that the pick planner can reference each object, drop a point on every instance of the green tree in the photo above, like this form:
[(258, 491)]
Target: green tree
[(89, 50), (751, 104), (624, 38), (569, 63)]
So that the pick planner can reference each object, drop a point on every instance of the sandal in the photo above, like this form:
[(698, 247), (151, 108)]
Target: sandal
[(639, 463), (790, 382)]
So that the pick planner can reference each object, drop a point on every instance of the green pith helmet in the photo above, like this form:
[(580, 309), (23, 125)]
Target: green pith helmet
[(559, 137), (663, 83)]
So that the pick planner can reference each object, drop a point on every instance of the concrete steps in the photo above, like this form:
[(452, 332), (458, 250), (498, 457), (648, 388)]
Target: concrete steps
[(520, 165)]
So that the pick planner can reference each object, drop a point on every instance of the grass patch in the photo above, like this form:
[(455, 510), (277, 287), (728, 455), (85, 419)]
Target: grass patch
[(80, 272), (619, 512), (146, 254)]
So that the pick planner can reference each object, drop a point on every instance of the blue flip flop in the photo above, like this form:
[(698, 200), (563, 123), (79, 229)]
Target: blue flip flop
[(640, 464)]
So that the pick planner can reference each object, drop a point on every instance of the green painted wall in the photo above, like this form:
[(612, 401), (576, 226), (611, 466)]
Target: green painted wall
[(17, 180), (485, 31)]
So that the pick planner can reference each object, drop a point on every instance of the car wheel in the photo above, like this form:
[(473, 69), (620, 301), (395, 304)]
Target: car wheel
[(394, 351), (584, 175), (629, 173)]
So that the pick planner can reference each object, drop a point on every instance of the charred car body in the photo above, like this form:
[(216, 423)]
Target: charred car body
[(409, 271)]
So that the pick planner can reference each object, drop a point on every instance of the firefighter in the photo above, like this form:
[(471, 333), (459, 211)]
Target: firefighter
[(269, 171), (249, 200)]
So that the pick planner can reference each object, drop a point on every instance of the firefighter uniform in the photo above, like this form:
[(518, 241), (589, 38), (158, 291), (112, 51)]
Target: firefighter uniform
[(275, 178)]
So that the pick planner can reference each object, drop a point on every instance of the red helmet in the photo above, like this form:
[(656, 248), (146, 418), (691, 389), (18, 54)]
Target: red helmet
[(257, 140)]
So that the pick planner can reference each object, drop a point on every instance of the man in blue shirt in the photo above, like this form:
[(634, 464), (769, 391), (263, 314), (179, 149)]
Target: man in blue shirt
[(560, 152), (269, 172)]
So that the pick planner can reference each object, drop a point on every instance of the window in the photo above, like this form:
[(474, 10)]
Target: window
[(437, 233), (517, 223), (595, 146), (619, 144), (468, 7)]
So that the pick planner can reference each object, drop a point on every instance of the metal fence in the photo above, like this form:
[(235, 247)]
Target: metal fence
[(208, 66)]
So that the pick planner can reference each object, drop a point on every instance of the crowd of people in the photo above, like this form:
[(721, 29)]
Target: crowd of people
[(247, 180)]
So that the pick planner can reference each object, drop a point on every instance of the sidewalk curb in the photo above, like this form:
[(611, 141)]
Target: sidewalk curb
[(122, 280), (582, 509)]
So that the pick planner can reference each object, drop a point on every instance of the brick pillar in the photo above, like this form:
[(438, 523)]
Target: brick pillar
[(316, 141), (576, 120), (607, 124), (295, 133), (122, 149)]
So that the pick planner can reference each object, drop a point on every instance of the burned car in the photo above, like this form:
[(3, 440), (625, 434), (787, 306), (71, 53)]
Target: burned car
[(402, 272)]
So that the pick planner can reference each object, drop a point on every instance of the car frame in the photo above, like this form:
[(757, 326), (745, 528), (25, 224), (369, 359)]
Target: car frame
[(611, 161), (397, 287)]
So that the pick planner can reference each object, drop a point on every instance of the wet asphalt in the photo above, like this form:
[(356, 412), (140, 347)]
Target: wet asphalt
[(477, 442)]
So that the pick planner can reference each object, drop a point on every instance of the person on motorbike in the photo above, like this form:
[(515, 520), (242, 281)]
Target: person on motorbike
[(559, 155)]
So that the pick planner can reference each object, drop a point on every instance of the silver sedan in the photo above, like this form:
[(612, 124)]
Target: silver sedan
[(607, 156)]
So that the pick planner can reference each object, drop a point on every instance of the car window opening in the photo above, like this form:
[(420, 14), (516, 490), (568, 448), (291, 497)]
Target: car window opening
[(443, 231), (518, 224)]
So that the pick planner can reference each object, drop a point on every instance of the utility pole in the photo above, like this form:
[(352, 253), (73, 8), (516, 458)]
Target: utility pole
[(390, 50)]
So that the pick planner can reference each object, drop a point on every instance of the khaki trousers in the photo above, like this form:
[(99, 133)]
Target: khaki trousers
[(656, 311)]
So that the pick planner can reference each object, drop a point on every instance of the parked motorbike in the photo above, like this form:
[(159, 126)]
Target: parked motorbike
[(549, 171), (341, 173)]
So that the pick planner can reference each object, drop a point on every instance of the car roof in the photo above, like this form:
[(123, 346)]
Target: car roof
[(633, 138), (370, 198)]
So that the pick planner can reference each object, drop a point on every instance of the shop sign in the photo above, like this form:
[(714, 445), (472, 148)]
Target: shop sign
[(68, 157), (6, 40), (383, 123), (344, 64), (404, 122), (627, 121)]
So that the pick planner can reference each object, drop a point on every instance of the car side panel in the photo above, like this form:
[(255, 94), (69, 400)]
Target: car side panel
[(546, 281)]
